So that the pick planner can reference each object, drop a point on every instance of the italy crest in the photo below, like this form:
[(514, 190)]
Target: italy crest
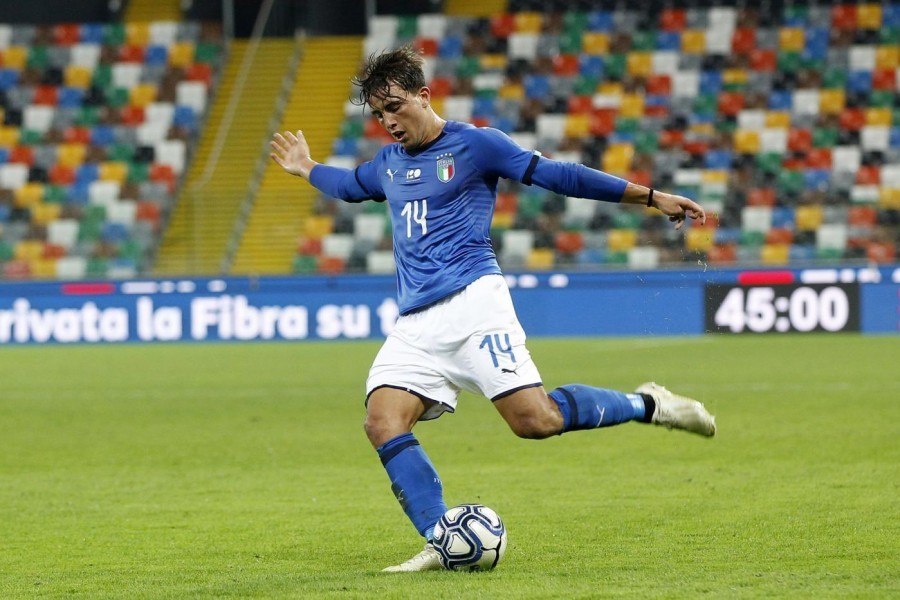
[(445, 167)]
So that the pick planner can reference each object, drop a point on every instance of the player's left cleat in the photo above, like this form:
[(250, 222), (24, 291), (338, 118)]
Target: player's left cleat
[(426, 560), (677, 412)]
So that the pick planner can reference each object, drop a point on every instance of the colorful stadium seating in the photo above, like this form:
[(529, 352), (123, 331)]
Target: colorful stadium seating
[(788, 134), (785, 126), (97, 122)]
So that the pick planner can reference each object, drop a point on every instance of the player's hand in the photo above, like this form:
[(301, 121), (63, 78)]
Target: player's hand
[(678, 208), (292, 152)]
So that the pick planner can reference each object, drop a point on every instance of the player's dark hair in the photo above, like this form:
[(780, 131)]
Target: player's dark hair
[(402, 67)]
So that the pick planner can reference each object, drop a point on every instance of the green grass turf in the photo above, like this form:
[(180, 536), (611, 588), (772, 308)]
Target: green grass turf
[(178, 471)]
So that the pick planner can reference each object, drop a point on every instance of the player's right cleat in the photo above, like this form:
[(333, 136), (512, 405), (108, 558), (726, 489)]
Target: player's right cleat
[(426, 560), (677, 412)]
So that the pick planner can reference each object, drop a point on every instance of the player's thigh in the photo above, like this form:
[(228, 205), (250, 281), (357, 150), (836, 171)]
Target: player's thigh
[(530, 413), (404, 365)]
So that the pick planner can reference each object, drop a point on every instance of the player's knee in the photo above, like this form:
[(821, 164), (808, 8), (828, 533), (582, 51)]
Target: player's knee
[(531, 414), (535, 427), (380, 427), (377, 429)]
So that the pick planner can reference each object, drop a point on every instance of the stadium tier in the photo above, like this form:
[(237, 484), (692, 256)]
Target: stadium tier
[(785, 125), (98, 122)]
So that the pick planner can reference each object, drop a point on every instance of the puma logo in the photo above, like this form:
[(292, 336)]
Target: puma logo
[(513, 371)]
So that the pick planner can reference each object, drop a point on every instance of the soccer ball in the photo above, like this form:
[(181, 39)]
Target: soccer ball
[(470, 537)]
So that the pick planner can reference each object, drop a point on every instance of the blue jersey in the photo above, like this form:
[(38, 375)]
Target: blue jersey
[(441, 199)]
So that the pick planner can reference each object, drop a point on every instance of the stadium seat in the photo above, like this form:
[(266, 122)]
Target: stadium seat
[(756, 218), (747, 142), (809, 218), (28, 195), (370, 226), (832, 101), (617, 158), (792, 39), (780, 234), (318, 226), (881, 252), (621, 240), (889, 198), (722, 254), (380, 261), (600, 20), (540, 259), (763, 60), (71, 268), (305, 264), (156, 55), (699, 239), (113, 171), (693, 41), (831, 237), (500, 222), (775, 254), (516, 245), (458, 108), (13, 176), (309, 247), (673, 19), (339, 245), (816, 43), (164, 174), (149, 212), (568, 242), (122, 212), (331, 265), (643, 258), (884, 79), (142, 94), (192, 94)]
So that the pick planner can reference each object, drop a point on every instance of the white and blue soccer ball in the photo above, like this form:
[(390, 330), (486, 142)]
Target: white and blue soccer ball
[(470, 537)]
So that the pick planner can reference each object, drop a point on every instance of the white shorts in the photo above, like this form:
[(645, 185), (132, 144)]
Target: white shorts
[(471, 340)]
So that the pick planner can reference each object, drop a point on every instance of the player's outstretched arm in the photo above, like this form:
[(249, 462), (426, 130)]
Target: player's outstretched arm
[(580, 181), (677, 208), (292, 152)]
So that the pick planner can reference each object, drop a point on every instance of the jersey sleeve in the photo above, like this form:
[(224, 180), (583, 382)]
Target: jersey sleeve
[(576, 180), (495, 153), (352, 185)]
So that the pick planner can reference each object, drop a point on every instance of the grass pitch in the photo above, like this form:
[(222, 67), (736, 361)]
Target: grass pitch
[(179, 471)]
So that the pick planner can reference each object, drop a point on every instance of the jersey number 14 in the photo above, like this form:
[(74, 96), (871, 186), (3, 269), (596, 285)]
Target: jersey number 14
[(411, 210)]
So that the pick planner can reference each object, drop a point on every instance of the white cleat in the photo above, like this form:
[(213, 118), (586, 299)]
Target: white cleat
[(677, 412), (426, 560)]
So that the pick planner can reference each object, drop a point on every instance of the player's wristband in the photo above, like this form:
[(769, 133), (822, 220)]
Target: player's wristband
[(650, 198)]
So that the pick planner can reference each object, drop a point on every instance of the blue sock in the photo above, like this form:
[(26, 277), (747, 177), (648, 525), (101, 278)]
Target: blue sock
[(585, 407), (414, 481)]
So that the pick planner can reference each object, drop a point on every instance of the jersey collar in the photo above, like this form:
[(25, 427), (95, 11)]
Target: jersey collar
[(422, 149)]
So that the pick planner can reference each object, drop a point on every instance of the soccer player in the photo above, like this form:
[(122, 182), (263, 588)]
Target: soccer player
[(457, 328)]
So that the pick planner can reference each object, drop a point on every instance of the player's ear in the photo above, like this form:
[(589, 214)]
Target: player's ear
[(424, 96)]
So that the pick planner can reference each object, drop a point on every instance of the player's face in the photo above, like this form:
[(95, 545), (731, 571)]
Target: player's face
[(405, 116)]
